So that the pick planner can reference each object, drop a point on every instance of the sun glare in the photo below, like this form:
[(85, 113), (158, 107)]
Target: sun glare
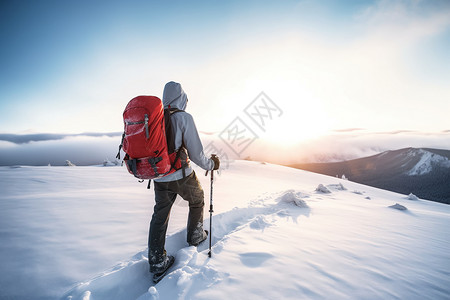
[(291, 130), (303, 116)]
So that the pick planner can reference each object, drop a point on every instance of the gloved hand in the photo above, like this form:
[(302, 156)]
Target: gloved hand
[(216, 162)]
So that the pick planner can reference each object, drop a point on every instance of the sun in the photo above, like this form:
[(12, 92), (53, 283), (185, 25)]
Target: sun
[(292, 129), (300, 115)]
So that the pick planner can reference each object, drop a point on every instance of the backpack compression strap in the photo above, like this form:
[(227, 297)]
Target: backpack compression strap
[(120, 146)]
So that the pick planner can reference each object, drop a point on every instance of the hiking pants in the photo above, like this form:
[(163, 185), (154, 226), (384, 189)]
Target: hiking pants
[(189, 189)]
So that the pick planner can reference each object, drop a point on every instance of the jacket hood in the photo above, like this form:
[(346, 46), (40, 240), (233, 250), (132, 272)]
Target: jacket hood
[(174, 96)]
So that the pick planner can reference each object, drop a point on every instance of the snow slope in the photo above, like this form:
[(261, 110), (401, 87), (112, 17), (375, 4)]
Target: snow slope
[(278, 233), (427, 161)]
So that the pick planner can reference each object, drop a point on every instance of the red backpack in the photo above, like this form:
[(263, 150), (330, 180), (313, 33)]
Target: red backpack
[(147, 140)]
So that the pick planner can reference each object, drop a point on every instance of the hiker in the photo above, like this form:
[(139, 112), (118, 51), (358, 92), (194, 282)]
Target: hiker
[(183, 182)]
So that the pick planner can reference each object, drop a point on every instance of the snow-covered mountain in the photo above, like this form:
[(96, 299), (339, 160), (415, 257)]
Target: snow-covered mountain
[(278, 233), (428, 161), (421, 171)]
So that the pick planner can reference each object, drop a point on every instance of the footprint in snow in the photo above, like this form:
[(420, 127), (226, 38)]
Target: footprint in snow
[(260, 223), (254, 259)]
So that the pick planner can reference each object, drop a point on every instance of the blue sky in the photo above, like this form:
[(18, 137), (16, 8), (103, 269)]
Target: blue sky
[(71, 66)]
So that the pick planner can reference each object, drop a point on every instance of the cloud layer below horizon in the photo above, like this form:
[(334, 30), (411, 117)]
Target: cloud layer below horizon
[(95, 148)]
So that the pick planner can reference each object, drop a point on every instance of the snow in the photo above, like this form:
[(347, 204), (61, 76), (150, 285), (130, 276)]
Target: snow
[(413, 197), (81, 233), (426, 162), (398, 206), (292, 197), (322, 189)]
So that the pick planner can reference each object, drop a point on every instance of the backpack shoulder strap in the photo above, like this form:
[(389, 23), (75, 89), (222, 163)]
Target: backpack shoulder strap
[(168, 112)]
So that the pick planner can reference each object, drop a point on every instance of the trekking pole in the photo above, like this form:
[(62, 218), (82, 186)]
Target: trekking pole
[(211, 210)]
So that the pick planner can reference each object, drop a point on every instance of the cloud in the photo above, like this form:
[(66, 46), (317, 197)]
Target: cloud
[(86, 149), (336, 146), (37, 137), (348, 129)]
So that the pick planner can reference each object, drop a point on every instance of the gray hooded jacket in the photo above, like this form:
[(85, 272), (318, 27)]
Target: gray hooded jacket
[(184, 132)]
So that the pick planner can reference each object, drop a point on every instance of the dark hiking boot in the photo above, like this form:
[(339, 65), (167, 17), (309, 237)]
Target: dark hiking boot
[(161, 267), (158, 276), (198, 237)]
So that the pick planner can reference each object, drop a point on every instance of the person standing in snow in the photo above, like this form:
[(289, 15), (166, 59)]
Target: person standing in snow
[(183, 182)]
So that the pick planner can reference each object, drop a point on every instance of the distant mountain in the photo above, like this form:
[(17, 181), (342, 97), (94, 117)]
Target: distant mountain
[(424, 172)]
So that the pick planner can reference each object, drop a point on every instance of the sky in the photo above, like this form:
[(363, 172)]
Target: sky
[(70, 67)]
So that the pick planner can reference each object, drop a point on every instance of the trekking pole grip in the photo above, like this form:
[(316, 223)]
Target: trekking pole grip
[(212, 155)]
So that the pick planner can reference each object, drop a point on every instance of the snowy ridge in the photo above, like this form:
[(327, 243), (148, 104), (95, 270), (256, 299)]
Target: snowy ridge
[(427, 161), (422, 171), (278, 233)]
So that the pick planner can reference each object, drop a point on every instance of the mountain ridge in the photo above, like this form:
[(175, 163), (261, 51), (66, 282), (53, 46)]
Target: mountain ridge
[(424, 172)]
